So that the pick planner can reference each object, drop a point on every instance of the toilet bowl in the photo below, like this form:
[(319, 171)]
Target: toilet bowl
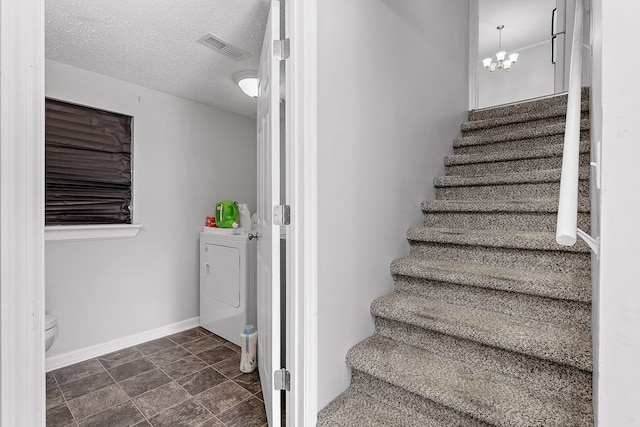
[(50, 330)]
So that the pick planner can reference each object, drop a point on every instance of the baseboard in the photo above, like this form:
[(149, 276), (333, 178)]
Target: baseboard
[(76, 356)]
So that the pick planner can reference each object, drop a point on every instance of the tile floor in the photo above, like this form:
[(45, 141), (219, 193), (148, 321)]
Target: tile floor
[(188, 379)]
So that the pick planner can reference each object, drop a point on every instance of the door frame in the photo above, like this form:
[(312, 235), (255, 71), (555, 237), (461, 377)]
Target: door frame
[(22, 370), (474, 55), (269, 173), (302, 194)]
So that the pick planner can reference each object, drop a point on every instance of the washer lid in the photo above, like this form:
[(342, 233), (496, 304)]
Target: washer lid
[(50, 321)]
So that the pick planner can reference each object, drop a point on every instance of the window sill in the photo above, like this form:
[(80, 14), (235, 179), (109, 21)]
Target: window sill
[(75, 233)]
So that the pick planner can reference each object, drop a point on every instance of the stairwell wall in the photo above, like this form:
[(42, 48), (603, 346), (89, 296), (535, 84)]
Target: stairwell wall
[(392, 92)]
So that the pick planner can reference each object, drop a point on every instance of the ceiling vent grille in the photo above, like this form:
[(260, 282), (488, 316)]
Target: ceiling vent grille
[(213, 42)]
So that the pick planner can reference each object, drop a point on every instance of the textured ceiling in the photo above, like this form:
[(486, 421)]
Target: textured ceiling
[(526, 22), (153, 43)]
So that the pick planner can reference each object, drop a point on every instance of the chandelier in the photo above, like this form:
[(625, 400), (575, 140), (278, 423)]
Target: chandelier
[(501, 62)]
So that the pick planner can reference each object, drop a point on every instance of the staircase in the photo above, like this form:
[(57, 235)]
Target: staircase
[(489, 321)]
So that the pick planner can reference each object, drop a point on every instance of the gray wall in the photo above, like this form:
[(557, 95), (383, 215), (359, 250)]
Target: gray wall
[(531, 77), (392, 85), (187, 156)]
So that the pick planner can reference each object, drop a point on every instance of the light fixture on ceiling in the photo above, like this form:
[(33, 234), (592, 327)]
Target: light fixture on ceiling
[(501, 63), (248, 82)]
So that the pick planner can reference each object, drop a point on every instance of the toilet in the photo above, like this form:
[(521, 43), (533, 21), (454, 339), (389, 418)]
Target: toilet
[(50, 330)]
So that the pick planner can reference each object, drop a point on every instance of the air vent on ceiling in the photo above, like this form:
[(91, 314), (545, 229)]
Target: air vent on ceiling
[(213, 42)]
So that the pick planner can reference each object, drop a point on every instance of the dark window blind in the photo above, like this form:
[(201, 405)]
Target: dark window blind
[(87, 165)]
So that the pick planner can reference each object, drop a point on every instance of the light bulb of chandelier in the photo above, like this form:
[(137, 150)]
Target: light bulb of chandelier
[(492, 67), (513, 57), (506, 64), (486, 62), (500, 55)]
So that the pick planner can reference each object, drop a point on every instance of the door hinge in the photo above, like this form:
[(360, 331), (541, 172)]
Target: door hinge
[(282, 380), (281, 49), (282, 215)]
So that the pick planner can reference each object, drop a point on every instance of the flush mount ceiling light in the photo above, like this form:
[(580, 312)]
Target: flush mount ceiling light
[(501, 63), (248, 82)]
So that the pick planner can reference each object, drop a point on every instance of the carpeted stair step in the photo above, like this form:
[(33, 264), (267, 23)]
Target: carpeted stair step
[(543, 241), (566, 314), (515, 186), (485, 395), (518, 122), (528, 250), (528, 215), (509, 115), (527, 138), (571, 287), (511, 109), (530, 106), (564, 345), (555, 378), (355, 407), (542, 158)]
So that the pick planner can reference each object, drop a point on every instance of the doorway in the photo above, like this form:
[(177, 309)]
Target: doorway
[(23, 377), (539, 32)]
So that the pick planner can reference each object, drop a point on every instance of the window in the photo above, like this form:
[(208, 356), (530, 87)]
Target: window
[(87, 165)]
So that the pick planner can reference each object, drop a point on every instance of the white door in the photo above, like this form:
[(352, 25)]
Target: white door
[(268, 270)]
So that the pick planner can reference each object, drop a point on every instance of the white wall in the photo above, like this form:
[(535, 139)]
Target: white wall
[(617, 297), (187, 156), (392, 92), (531, 77)]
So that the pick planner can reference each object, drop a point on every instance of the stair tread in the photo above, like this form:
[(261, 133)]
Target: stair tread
[(524, 106), (527, 177), (565, 286), (523, 335), (356, 408), (462, 386), (516, 135), (519, 206), (532, 240), (553, 111), (507, 155)]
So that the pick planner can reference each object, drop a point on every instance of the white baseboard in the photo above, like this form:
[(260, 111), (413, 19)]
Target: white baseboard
[(76, 356)]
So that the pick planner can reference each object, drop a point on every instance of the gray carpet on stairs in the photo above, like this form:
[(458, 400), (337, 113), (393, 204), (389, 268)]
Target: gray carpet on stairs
[(489, 322)]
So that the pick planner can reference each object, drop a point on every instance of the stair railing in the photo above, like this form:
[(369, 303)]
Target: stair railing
[(567, 225)]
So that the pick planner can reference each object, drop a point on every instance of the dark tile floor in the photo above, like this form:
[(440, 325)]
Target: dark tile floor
[(188, 379)]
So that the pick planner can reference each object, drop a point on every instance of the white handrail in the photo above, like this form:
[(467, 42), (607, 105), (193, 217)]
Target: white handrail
[(567, 225)]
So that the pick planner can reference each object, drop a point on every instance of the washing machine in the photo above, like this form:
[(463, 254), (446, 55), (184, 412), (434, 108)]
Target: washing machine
[(227, 283)]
